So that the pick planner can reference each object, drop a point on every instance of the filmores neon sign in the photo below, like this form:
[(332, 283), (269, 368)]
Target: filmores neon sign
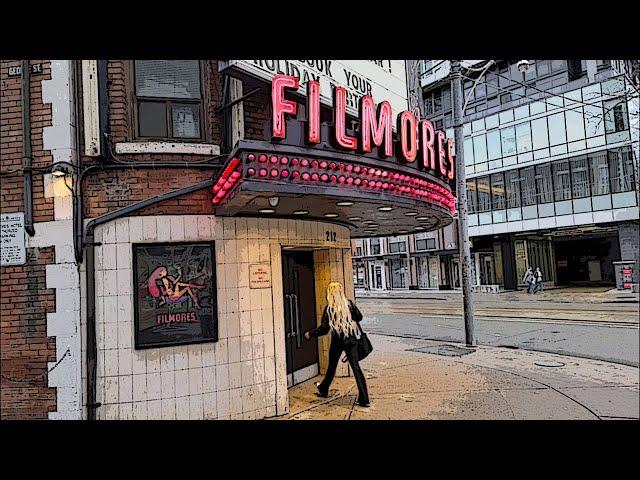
[(418, 143)]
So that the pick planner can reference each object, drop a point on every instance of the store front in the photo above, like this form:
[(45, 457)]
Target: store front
[(204, 314)]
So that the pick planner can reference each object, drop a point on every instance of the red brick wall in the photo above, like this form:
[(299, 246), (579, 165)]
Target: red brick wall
[(25, 347), (25, 300), (105, 191), (11, 140)]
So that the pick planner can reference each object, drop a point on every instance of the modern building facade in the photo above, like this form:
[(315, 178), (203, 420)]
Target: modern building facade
[(551, 158)]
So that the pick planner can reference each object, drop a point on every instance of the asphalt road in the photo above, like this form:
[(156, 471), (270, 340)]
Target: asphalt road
[(613, 342)]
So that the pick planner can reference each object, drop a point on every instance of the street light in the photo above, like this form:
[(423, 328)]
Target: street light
[(461, 183)]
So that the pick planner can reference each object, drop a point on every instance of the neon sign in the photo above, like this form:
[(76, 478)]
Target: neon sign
[(417, 142)]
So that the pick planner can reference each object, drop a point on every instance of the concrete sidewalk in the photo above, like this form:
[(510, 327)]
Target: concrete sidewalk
[(419, 379), (550, 294)]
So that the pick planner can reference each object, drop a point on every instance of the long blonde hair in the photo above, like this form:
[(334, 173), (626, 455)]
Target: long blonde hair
[(340, 319)]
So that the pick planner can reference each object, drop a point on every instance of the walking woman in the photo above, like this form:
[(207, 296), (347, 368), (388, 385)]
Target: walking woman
[(342, 318)]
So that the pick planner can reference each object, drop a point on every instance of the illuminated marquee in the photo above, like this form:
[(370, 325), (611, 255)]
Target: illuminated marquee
[(417, 141)]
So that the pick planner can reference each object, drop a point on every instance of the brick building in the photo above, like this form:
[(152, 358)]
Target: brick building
[(168, 276)]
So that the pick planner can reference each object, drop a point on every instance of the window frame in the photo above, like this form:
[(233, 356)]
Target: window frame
[(202, 103)]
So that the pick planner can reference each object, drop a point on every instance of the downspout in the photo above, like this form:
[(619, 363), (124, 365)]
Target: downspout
[(92, 348), (26, 149)]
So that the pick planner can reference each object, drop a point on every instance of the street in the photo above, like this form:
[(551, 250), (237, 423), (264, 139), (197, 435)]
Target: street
[(596, 331)]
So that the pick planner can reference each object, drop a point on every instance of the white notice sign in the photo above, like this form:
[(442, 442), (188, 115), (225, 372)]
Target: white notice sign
[(260, 275), (12, 239)]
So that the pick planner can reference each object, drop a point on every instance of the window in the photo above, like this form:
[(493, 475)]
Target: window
[(528, 179), (580, 177), (497, 191), (523, 137), (437, 100), (621, 170), (375, 246), (169, 99), (397, 247), (468, 151), (615, 117), (540, 134), (438, 124), (512, 180), (599, 173), (558, 65), (544, 183), (426, 244), (543, 67), (358, 251), (446, 98), (484, 195), (594, 125), (557, 130), (575, 124), (480, 149), (562, 180), (472, 201), (493, 145), (508, 141)]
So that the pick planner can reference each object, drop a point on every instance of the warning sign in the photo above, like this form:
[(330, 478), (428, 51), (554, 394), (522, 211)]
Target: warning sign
[(12, 239), (260, 275)]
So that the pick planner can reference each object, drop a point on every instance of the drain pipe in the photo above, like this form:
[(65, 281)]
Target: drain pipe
[(89, 242), (26, 149)]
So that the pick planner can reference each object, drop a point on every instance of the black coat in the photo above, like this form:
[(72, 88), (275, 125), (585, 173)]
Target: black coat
[(324, 327)]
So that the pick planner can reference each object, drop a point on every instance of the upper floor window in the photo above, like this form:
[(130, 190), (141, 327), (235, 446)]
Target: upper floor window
[(358, 251), (426, 244), (397, 247), (168, 97), (375, 246)]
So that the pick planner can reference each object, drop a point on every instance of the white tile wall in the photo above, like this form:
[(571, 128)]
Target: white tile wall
[(243, 374)]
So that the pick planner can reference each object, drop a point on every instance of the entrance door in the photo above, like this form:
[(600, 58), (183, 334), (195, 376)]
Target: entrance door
[(377, 276), (595, 271), (299, 315)]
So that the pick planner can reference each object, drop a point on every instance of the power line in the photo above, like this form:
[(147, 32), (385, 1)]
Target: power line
[(579, 109)]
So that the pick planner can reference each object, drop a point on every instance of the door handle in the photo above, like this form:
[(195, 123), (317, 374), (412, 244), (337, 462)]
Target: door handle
[(291, 317), (297, 319), (287, 312)]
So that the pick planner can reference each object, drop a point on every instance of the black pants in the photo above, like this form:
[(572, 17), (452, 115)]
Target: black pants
[(351, 349)]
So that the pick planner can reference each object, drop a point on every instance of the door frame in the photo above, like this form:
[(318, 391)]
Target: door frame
[(308, 371)]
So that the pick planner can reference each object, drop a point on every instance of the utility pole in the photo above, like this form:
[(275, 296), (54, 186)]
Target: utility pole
[(461, 183)]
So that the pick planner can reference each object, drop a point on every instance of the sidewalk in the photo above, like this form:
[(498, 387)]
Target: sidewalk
[(550, 294), (405, 382)]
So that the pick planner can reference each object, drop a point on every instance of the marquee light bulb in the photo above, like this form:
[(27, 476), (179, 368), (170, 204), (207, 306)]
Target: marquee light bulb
[(304, 162), (251, 157), (284, 160), (262, 158), (273, 159)]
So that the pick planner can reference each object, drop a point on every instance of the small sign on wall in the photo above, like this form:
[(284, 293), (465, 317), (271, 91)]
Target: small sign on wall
[(12, 246), (175, 296), (260, 275)]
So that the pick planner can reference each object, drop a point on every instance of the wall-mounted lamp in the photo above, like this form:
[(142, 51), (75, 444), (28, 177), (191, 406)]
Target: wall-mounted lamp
[(59, 170), (273, 201)]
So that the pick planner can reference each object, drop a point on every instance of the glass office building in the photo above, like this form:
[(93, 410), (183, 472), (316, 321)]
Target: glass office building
[(551, 158)]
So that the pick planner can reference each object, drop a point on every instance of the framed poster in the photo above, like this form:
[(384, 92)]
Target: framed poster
[(175, 299)]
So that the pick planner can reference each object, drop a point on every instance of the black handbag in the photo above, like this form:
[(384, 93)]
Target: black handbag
[(364, 344)]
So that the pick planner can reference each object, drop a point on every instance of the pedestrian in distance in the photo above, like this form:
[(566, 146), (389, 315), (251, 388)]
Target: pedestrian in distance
[(529, 279), (537, 280), (342, 318)]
